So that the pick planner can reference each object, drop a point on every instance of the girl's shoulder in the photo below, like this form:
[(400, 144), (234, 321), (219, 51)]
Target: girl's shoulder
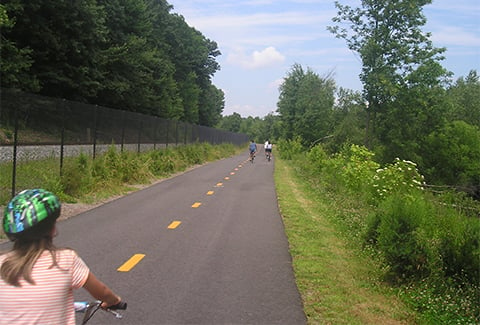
[(67, 252)]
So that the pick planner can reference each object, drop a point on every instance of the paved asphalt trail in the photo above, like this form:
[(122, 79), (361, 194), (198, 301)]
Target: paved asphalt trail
[(227, 262)]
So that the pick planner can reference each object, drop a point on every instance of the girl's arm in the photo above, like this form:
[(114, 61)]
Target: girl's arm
[(100, 291)]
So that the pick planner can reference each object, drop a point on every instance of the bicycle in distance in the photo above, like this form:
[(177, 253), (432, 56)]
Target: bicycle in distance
[(268, 150), (252, 156), (253, 149)]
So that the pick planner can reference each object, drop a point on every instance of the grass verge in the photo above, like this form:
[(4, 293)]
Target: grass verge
[(339, 283)]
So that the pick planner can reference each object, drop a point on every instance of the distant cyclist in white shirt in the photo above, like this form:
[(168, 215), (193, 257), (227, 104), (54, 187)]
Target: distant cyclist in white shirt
[(268, 150)]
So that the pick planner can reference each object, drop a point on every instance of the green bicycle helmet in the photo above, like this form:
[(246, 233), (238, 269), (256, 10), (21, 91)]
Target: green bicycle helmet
[(27, 210)]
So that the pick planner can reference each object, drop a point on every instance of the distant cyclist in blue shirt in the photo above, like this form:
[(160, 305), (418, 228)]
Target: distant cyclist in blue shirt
[(253, 149)]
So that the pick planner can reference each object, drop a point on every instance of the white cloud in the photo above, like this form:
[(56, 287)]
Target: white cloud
[(276, 83), (450, 35), (258, 59)]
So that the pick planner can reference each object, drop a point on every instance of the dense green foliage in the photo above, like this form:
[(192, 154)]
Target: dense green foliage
[(127, 54), (428, 243)]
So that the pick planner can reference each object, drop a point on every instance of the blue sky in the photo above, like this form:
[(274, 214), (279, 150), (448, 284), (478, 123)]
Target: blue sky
[(260, 40)]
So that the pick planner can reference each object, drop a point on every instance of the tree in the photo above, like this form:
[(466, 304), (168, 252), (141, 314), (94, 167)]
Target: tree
[(230, 123), (348, 120), (396, 54), (15, 61), (453, 156), (465, 96), (286, 105), (212, 103), (65, 39), (314, 108), (305, 105)]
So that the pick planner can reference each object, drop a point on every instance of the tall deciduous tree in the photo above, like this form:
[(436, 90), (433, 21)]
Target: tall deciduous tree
[(306, 105), (15, 61), (212, 100), (465, 96), (286, 105), (65, 39), (396, 54)]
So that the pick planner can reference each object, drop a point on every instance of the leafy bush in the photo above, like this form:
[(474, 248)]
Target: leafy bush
[(289, 149), (452, 156), (162, 162), (318, 159), (419, 238), (358, 169), (77, 176), (398, 220), (400, 177)]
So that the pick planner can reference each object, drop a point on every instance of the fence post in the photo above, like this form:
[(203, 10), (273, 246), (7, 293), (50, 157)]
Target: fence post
[(185, 134), (95, 108), (176, 133), (155, 127), (139, 135), (62, 139), (123, 130), (15, 143), (168, 133)]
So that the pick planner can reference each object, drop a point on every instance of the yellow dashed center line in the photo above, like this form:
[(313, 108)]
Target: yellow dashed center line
[(196, 205), (219, 184), (128, 265), (210, 192), (227, 178), (232, 173), (174, 224)]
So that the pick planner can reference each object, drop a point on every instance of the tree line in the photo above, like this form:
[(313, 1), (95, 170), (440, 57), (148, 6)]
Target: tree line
[(134, 55), (410, 107)]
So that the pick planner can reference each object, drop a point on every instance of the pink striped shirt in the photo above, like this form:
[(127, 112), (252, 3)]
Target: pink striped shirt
[(50, 300)]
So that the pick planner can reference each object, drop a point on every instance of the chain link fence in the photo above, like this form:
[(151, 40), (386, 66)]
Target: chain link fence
[(35, 127)]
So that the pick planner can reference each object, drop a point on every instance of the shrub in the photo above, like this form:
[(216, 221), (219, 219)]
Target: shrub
[(359, 168), (452, 156), (419, 238), (318, 158), (77, 176), (289, 149), (400, 177), (399, 236)]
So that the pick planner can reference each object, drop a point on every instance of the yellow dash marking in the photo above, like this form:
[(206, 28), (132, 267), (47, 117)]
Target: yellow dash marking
[(128, 265), (174, 224), (232, 173), (227, 178), (210, 192), (236, 169), (196, 205), (219, 184)]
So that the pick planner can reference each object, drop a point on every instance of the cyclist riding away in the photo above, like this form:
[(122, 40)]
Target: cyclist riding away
[(268, 150), (253, 149), (37, 278)]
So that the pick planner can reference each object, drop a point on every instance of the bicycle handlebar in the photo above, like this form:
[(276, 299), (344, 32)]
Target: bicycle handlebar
[(89, 308), (122, 305)]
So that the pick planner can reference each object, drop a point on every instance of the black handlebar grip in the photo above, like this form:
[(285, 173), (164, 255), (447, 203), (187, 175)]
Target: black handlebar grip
[(121, 305)]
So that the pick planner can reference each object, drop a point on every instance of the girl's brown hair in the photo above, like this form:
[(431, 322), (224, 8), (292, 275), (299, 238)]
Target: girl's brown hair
[(27, 248)]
